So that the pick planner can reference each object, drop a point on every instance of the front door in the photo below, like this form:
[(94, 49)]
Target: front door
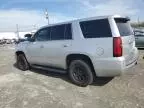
[(35, 49), (54, 51)]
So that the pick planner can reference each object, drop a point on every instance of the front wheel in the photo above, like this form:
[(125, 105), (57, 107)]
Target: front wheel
[(22, 63), (80, 73)]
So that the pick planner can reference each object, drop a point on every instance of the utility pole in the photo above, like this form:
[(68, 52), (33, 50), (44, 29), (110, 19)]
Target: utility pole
[(47, 16), (17, 31)]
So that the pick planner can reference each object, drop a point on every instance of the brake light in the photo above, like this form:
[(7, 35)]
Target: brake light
[(117, 47)]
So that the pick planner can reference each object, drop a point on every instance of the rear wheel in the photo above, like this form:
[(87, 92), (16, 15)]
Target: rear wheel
[(22, 63), (80, 73)]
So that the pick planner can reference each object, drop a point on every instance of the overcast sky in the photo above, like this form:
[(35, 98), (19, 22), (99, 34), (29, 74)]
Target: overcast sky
[(30, 13)]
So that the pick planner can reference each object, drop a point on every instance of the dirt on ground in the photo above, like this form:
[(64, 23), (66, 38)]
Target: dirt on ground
[(44, 89)]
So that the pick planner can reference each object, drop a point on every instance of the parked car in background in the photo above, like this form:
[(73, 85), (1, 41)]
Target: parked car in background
[(85, 48), (8, 41), (1, 42), (139, 38)]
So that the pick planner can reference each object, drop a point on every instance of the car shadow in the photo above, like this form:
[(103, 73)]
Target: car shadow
[(98, 81)]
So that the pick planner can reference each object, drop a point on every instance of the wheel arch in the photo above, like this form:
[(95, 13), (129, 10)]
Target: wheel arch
[(83, 57)]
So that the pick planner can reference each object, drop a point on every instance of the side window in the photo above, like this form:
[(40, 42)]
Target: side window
[(43, 35), (68, 31), (96, 28), (57, 32)]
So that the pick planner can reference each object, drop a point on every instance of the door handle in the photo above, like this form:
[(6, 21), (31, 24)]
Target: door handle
[(41, 46), (65, 45)]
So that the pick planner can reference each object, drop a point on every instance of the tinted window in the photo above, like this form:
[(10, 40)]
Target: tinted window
[(96, 28), (43, 34), (68, 32), (124, 26), (61, 32), (57, 32)]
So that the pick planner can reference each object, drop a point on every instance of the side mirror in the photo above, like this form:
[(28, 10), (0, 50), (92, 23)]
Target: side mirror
[(28, 35)]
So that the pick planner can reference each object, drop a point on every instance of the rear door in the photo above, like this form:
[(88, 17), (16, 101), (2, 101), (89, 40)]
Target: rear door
[(128, 40)]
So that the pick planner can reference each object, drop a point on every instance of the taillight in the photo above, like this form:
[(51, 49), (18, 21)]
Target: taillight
[(117, 47)]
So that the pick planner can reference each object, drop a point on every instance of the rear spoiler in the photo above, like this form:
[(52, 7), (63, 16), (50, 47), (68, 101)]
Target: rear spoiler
[(122, 19)]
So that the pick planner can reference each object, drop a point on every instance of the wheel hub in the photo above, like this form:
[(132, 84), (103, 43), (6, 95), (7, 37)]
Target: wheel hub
[(80, 74)]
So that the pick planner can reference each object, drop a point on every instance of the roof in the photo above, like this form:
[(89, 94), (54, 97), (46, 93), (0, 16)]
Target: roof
[(84, 19)]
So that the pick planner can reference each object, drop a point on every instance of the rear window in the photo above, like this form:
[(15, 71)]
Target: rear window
[(57, 32), (96, 28), (61, 32), (124, 26)]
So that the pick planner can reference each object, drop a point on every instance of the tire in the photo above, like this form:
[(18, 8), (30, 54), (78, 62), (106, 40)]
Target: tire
[(80, 73), (22, 63)]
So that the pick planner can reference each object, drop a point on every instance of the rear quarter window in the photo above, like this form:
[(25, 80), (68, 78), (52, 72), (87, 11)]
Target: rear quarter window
[(96, 28), (124, 26), (61, 32)]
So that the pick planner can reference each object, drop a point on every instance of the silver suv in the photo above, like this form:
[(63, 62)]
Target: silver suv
[(99, 46)]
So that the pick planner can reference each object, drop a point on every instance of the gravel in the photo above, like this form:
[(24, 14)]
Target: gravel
[(43, 89)]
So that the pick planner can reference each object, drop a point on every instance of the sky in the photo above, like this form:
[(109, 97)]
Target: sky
[(30, 14)]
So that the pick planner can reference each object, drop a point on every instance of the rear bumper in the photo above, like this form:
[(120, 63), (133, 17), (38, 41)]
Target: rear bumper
[(110, 67)]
